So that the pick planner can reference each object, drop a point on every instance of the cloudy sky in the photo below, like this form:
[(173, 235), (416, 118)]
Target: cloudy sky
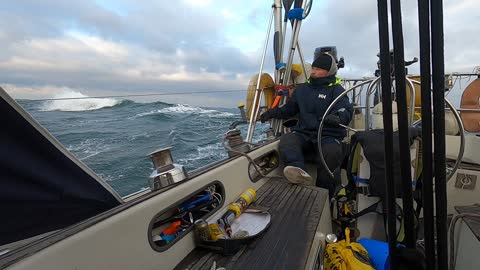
[(116, 47)]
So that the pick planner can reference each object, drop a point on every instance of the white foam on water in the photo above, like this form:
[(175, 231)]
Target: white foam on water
[(222, 115), (205, 152), (137, 136), (88, 148), (186, 109), (75, 105), (144, 114)]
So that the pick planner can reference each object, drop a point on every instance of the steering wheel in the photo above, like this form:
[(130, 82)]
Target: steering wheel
[(451, 171)]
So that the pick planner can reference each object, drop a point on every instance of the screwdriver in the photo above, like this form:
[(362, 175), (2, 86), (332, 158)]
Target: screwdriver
[(226, 220)]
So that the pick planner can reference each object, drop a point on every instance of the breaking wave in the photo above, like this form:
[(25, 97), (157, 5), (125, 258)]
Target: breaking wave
[(76, 105), (186, 109), (115, 142)]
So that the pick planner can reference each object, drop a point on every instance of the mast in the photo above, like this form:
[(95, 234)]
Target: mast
[(297, 23), (278, 36)]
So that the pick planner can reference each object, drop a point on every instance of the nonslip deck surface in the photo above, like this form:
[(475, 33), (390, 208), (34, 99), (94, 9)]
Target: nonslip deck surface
[(296, 212)]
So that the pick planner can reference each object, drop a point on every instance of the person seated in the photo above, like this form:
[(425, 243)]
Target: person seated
[(310, 101)]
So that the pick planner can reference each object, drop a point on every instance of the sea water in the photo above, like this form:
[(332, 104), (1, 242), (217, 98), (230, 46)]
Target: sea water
[(114, 136)]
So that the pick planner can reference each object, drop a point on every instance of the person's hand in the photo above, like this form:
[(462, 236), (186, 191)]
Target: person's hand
[(332, 120), (264, 117)]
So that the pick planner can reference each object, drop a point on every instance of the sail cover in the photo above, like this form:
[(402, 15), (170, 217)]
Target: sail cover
[(42, 186)]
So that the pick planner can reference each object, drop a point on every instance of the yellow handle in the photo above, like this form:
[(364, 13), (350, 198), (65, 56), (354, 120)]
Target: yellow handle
[(347, 235)]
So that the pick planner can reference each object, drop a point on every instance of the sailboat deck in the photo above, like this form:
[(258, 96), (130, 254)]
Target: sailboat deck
[(296, 212), (472, 222)]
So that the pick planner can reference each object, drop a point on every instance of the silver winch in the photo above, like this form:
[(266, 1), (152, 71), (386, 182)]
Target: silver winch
[(165, 173), (236, 144)]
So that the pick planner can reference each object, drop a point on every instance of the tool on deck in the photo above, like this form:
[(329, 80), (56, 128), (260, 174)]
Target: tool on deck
[(235, 210)]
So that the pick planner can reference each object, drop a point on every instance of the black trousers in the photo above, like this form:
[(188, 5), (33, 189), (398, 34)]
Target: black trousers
[(294, 147)]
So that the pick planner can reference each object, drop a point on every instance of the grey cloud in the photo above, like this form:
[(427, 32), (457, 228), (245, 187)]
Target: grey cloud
[(226, 59), (153, 25), (50, 18), (154, 33), (352, 27)]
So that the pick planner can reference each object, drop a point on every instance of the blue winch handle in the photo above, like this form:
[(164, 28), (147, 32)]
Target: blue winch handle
[(283, 93), (280, 65), (189, 205), (296, 14)]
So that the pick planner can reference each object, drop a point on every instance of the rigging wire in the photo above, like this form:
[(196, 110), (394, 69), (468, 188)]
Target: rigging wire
[(308, 8), (140, 95)]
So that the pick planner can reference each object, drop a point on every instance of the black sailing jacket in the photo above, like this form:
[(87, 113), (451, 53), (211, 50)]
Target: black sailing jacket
[(310, 101)]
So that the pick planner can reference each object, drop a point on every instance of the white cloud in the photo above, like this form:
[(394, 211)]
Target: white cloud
[(198, 3), (101, 46), (36, 92)]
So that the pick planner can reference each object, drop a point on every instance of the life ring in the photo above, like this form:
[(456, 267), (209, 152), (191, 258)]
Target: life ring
[(268, 86), (418, 97)]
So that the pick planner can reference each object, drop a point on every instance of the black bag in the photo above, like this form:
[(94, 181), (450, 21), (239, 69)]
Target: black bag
[(372, 142)]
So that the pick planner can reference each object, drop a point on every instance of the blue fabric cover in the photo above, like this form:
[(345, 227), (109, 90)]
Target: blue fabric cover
[(40, 188)]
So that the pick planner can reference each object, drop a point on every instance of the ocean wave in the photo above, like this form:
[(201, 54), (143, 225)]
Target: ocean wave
[(186, 109), (145, 114), (76, 105), (222, 115), (142, 135), (204, 153), (88, 148)]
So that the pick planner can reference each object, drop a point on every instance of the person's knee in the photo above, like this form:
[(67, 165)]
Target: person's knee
[(289, 139), (290, 148), (332, 152), (289, 142)]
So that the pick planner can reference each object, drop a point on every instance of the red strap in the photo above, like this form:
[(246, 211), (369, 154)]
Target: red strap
[(281, 90), (276, 101)]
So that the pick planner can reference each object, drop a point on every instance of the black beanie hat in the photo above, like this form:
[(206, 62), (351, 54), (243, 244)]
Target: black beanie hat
[(323, 61)]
